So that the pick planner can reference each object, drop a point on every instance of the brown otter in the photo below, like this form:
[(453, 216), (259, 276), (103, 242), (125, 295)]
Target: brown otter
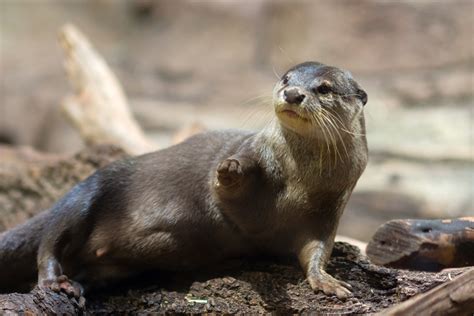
[(216, 195)]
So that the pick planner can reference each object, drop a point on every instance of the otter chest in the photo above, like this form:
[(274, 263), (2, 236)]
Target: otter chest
[(309, 192)]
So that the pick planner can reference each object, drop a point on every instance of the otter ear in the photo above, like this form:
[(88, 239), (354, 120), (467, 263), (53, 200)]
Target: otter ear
[(362, 96)]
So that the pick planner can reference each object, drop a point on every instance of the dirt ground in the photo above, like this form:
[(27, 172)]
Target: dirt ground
[(253, 286)]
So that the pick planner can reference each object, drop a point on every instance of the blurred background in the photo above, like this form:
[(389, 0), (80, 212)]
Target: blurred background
[(214, 64)]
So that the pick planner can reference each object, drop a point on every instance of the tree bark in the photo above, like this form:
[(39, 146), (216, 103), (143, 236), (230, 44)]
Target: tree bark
[(39, 302), (429, 245), (31, 182), (249, 286), (451, 298)]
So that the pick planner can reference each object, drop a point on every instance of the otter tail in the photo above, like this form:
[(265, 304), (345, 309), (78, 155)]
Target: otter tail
[(18, 251)]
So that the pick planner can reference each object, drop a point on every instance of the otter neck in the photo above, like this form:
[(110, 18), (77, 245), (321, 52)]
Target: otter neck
[(287, 153)]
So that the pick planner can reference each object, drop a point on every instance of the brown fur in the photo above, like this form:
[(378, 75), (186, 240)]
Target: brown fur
[(214, 196)]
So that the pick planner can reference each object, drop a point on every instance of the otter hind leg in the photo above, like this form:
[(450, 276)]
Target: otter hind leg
[(19, 248), (72, 220)]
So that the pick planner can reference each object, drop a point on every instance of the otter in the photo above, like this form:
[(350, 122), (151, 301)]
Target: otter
[(214, 196)]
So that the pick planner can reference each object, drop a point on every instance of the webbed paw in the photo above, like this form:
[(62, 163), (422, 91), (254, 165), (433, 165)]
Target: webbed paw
[(63, 284), (330, 286)]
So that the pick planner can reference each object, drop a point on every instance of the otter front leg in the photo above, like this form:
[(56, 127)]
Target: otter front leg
[(313, 257), (236, 176)]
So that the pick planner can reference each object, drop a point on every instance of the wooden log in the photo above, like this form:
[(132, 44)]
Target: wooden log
[(31, 181), (429, 245), (98, 109), (250, 286), (40, 302), (455, 297)]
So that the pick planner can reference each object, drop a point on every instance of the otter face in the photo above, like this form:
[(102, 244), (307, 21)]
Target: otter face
[(312, 97)]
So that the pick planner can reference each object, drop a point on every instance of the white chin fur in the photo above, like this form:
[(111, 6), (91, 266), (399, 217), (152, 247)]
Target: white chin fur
[(298, 125)]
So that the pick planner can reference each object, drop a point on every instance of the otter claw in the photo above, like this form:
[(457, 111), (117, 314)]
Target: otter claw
[(229, 172), (330, 286), (63, 284), (345, 284)]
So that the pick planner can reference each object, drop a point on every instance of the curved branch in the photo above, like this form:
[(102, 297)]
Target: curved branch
[(99, 108)]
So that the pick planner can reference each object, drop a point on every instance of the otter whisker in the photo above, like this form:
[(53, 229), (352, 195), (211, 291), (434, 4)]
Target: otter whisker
[(254, 117), (269, 122), (320, 116), (338, 118), (327, 139), (263, 97), (315, 119), (286, 54), (334, 125), (276, 73), (333, 139)]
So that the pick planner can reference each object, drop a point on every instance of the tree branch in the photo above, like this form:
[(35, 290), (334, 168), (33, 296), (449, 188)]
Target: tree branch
[(98, 108)]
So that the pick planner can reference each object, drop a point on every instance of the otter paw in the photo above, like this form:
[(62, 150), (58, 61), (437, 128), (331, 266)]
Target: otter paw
[(229, 172), (330, 286), (63, 284)]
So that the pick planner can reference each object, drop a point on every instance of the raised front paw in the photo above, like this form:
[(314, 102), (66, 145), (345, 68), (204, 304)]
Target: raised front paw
[(63, 284), (329, 285), (229, 172)]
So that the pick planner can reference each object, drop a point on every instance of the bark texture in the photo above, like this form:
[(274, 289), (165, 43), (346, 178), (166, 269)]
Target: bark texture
[(452, 298), (250, 286), (421, 244), (31, 182)]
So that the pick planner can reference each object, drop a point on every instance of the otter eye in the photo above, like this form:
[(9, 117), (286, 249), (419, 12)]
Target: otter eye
[(323, 89), (285, 79)]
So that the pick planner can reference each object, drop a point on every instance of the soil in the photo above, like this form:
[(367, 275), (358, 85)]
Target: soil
[(260, 286), (246, 286)]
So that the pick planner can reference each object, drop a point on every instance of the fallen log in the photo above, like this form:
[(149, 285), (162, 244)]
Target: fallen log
[(31, 182), (455, 297), (40, 302), (250, 286), (429, 245)]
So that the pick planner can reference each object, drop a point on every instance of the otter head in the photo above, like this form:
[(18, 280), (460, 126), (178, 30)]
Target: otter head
[(311, 99)]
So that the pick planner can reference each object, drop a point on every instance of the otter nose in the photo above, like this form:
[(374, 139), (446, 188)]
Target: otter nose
[(293, 96)]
